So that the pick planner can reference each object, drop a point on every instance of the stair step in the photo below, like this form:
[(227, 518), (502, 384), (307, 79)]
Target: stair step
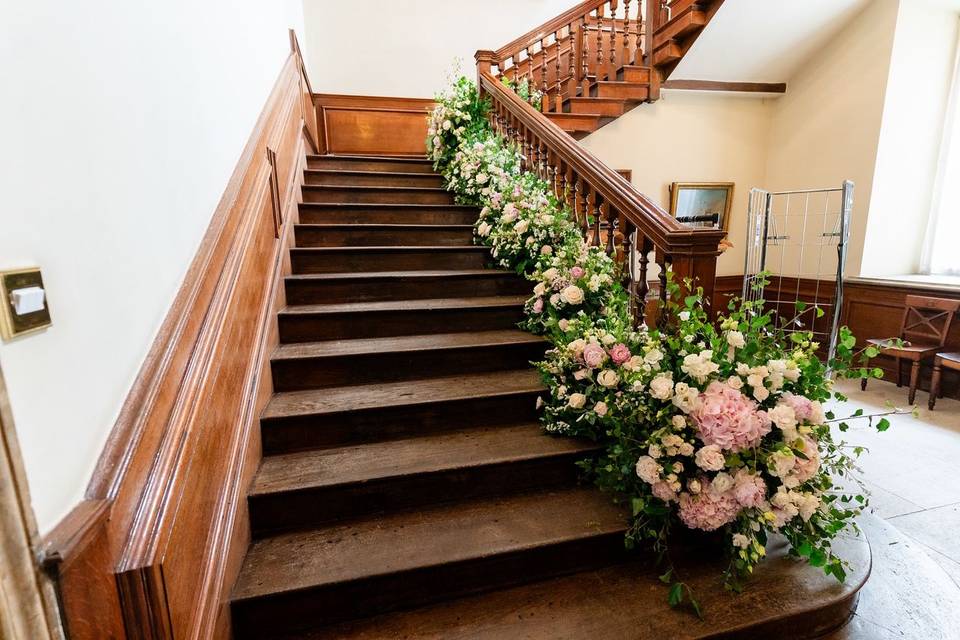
[(379, 235), (617, 89), (394, 258), (321, 288), (307, 323), (375, 195), (681, 24), (577, 121), (371, 163), (313, 365), (312, 487), (612, 107), (407, 559), (632, 73), (319, 213), (372, 178), (338, 416), (667, 53)]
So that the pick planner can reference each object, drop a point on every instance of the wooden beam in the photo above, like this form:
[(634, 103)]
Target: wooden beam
[(713, 85)]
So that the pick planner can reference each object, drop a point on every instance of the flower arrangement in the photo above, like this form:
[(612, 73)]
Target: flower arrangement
[(713, 425)]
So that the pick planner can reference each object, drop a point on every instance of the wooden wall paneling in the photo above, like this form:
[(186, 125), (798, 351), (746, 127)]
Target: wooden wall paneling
[(153, 549), (366, 125)]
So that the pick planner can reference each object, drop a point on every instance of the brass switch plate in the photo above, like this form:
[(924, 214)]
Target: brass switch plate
[(11, 324)]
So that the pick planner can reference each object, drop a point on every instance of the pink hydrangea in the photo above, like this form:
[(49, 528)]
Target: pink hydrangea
[(805, 409), (750, 490), (727, 418), (593, 355), (664, 491), (620, 353), (709, 509), (576, 272)]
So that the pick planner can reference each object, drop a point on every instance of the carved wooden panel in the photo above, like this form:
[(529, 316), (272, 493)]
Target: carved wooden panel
[(365, 125)]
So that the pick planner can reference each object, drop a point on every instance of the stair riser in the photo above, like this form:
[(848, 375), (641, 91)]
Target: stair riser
[(333, 214), (360, 261), (271, 514), (315, 373), (306, 327), (298, 433), (636, 75), (374, 179), (281, 613), (324, 237), (611, 109), (375, 195), (579, 124), (369, 164), (313, 292), (622, 91)]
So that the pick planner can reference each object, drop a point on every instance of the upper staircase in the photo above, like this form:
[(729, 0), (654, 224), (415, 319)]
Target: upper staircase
[(601, 58)]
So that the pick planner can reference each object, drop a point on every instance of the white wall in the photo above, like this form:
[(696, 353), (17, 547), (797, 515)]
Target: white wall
[(918, 88), (692, 137), (407, 47), (122, 122)]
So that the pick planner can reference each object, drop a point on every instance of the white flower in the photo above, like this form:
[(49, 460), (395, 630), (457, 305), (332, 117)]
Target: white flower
[(783, 416), (594, 283), (608, 378), (677, 467), (572, 294), (550, 274), (648, 470), (581, 374), (693, 486), (679, 423), (741, 541), (554, 299), (761, 393), (522, 226), (635, 363), (722, 482), (781, 463), (734, 382), (735, 339), (816, 413), (699, 366), (743, 368), (608, 339), (653, 356), (563, 323), (710, 458), (684, 316), (600, 409), (685, 397), (807, 504), (482, 178), (484, 229), (654, 451), (539, 402), (576, 346), (540, 289), (446, 125), (546, 250), (661, 387), (576, 400), (686, 449)]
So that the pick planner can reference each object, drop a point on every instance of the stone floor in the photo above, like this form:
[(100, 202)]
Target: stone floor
[(911, 469)]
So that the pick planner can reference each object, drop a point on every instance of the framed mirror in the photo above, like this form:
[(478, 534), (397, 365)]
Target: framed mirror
[(702, 204)]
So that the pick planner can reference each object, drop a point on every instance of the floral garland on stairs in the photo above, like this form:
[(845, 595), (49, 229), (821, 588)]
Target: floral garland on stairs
[(713, 426)]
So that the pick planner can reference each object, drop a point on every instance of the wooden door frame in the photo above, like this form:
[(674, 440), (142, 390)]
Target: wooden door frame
[(27, 597)]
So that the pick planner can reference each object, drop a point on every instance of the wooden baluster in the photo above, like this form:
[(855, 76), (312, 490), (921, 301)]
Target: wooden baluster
[(564, 177), (584, 217), (582, 39), (557, 180), (640, 316), (558, 94), (663, 262), (571, 88), (541, 160), (611, 227), (599, 71), (611, 72), (528, 76), (627, 58), (597, 213), (544, 89)]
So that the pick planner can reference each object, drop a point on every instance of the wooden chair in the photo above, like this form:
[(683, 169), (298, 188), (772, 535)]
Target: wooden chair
[(924, 328), (950, 361)]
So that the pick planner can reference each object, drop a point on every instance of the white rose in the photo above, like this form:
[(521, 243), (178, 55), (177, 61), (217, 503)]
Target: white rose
[(555, 299), (522, 226), (735, 339), (581, 374), (734, 382), (608, 378), (761, 393), (654, 451), (741, 541), (653, 356), (780, 463), (446, 125), (685, 397), (540, 289), (722, 482), (576, 400), (608, 339), (563, 323), (686, 449), (648, 470), (633, 364), (484, 229), (661, 388), (572, 294), (694, 486), (600, 409), (783, 416), (546, 250), (710, 458), (576, 346), (679, 423), (684, 316), (550, 274)]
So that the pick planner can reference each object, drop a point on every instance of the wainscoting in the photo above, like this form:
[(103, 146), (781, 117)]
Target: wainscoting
[(367, 125), (872, 309), (152, 549)]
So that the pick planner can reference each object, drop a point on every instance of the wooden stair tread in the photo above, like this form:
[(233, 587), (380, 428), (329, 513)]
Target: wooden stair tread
[(387, 226), (393, 458), (400, 275), (359, 158), (372, 187), (390, 248), (394, 543), (406, 393), (396, 206), (439, 341), (359, 172), (406, 305)]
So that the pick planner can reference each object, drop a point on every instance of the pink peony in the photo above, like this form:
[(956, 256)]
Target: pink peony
[(538, 305), (749, 490), (727, 418), (805, 409), (619, 353), (593, 355), (709, 509), (576, 272)]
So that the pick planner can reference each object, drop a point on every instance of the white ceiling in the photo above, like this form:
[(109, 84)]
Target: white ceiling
[(764, 40)]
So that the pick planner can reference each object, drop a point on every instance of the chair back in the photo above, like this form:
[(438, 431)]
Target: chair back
[(928, 320)]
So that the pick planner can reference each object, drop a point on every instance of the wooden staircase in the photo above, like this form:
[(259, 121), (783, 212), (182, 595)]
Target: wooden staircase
[(403, 463), (602, 58)]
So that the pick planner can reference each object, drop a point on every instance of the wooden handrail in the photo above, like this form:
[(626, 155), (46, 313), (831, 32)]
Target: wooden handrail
[(535, 35), (609, 210)]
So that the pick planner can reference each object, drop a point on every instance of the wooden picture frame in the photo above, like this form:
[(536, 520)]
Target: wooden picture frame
[(706, 199)]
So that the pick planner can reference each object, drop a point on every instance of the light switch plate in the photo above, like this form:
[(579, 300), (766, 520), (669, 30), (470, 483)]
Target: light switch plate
[(11, 324)]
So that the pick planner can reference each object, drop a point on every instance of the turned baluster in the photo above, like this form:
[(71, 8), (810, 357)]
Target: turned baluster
[(599, 71), (626, 32), (662, 317), (611, 227), (595, 210), (582, 40), (558, 94), (544, 95), (613, 40), (528, 75), (557, 180), (640, 315), (583, 218), (541, 160)]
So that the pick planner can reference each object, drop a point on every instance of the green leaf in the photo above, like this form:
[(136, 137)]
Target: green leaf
[(667, 577), (883, 424), (676, 594)]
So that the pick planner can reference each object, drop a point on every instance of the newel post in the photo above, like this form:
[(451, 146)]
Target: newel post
[(485, 60), (654, 12), (701, 268)]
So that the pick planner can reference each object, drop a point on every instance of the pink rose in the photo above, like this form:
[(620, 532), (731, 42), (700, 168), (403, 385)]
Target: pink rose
[(576, 272), (538, 305), (593, 355), (727, 418), (803, 470), (620, 353), (749, 490)]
